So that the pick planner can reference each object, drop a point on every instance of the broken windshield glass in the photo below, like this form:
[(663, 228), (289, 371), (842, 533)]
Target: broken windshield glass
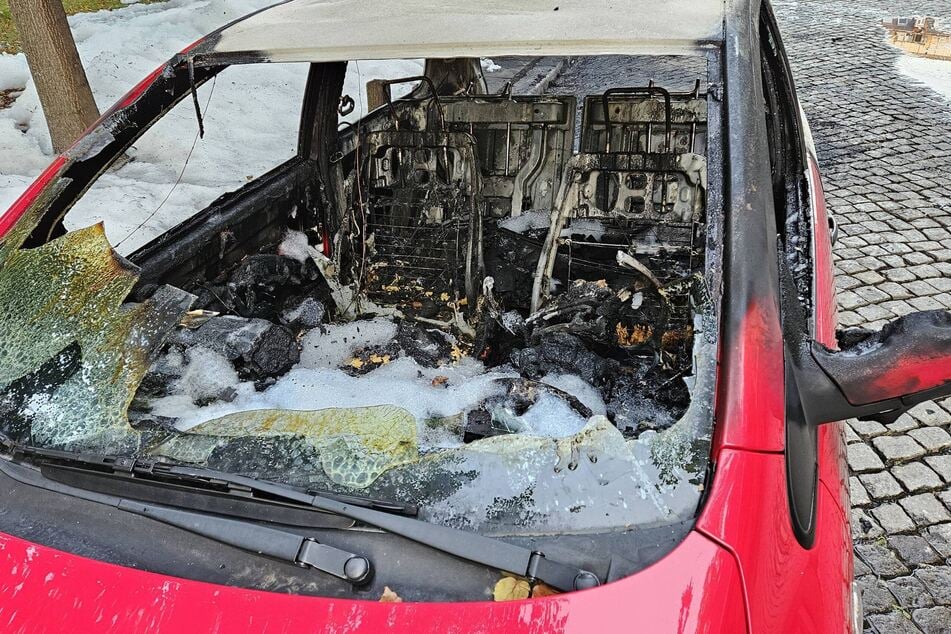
[(498, 307)]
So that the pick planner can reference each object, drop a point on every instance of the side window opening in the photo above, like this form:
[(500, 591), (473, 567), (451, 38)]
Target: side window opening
[(793, 218), (361, 84), (787, 158), (172, 172)]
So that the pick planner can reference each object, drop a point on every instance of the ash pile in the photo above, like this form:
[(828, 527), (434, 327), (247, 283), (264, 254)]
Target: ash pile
[(285, 330)]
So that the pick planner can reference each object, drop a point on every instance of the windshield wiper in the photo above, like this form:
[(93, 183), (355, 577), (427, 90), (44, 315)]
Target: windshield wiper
[(486, 551), (247, 535), (152, 472), (263, 540), (473, 547)]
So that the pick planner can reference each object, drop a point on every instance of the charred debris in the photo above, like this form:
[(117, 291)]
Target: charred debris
[(472, 224)]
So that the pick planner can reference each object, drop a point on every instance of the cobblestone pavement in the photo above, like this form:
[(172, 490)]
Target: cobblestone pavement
[(884, 147)]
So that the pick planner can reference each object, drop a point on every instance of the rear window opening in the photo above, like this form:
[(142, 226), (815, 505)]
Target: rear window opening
[(499, 306)]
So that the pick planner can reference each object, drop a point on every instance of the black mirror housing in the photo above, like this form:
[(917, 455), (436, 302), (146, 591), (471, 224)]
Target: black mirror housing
[(876, 375)]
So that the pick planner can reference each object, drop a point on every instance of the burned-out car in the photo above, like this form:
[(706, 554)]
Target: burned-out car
[(564, 336)]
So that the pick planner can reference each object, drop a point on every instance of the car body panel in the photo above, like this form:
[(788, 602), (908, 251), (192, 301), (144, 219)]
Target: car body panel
[(786, 583), (696, 588), (833, 465)]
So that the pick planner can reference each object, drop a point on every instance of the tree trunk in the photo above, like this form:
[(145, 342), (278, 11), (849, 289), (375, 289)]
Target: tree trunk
[(56, 68)]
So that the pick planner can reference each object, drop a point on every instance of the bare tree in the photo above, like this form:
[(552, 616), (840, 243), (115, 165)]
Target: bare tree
[(56, 68)]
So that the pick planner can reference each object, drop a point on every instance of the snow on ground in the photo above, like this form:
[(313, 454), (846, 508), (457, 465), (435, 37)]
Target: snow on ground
[(251, 118), (935, 73)]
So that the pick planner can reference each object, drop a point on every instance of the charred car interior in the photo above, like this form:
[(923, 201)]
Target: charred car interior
[(497, 309)]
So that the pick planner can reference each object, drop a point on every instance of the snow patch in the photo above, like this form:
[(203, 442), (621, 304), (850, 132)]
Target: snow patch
[(489, 66), (934, 73), (14, 73)]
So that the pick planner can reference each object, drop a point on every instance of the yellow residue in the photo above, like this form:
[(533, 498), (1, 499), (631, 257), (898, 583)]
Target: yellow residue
[(675, 336), (635, 336)]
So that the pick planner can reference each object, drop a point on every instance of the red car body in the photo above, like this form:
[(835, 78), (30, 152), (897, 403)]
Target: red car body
[(740, 569)]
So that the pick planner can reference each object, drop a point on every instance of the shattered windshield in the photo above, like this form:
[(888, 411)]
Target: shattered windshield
[(492, 300)]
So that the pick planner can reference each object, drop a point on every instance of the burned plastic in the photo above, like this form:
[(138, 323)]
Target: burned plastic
[(258, 347), (878, 375)]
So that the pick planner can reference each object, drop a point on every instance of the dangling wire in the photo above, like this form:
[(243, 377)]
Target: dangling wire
[(181, 174), (358, 184)]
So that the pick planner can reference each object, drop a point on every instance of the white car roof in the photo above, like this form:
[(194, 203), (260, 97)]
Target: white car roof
[(338, 30)]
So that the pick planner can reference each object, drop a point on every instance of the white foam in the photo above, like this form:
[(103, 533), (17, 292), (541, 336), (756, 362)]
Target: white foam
[(403, 383), (531, 220), (580, 389), (588, 227), (333, 346), (296, 246), (527, 221), (206, 375)]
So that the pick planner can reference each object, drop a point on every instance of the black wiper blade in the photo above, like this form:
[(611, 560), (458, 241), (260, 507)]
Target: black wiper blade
[(186, 495), (147, 469)]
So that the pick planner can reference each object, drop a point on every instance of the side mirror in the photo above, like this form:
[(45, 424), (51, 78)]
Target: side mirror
[(876, 375)]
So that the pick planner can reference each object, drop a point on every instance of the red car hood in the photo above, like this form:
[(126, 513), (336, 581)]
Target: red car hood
[(696, 588)]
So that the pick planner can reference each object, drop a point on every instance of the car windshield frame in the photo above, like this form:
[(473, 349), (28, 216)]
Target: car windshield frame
[(120, 127)]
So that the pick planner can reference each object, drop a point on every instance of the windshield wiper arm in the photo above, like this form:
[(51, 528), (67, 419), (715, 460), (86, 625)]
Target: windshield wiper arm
[(263, 540), (487, 551), (246, 535), (479, 549)]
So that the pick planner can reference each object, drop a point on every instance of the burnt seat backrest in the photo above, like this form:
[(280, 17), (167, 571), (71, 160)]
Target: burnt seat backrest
[(523, 143), (422, 215), (641, 186), (636, 121)]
